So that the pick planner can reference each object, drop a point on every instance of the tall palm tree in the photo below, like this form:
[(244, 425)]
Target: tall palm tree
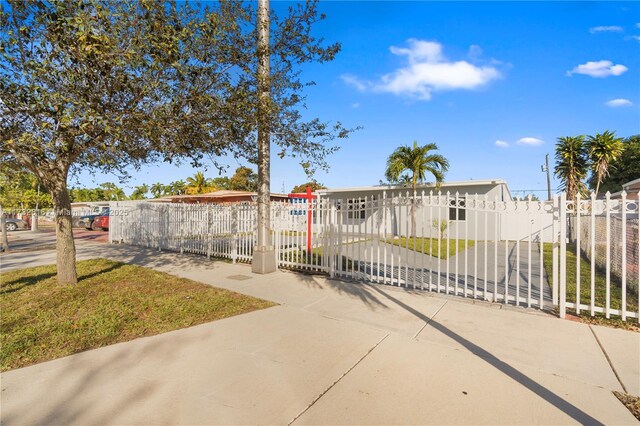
[(157, 190), (417, 161), (178, 187), (197, 184), (604, 148), (571, 165), (140, 192)]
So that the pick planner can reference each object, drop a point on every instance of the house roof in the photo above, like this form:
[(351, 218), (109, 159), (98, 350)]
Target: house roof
[(494, 182), (219, 195), (634, 185)]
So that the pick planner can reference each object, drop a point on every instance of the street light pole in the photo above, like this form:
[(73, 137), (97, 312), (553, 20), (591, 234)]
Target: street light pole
[(264, 259), (545, 168)]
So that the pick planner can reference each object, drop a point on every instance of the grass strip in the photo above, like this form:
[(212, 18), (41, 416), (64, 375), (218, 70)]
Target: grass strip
[(600, 288), (113, 302), (433, 246)]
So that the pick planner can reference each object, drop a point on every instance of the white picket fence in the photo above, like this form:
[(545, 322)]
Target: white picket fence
[(501, 255)]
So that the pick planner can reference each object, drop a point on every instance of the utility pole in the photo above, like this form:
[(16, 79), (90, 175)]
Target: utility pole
[(545, 168), (264, 258)]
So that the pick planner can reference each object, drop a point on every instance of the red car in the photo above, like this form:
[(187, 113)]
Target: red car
[(102, 221)]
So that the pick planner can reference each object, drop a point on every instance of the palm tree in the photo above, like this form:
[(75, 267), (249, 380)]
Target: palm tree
[(604, 148), (140, 192), (178, 187), (157, 189), (571, 165), (417, 161), (197, 184)]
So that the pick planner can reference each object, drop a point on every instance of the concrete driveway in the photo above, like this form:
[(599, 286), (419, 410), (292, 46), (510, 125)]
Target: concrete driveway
[(333, 352)]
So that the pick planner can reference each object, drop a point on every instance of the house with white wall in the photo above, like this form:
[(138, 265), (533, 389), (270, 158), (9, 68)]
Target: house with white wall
[(473, 209)]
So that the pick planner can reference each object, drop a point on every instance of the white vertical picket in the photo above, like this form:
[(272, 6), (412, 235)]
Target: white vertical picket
[(517, 242), (556, 245), (507, 269), (541, 272), (608, 255), (562, 290), (475, 246), (623, 212), (578, 257), (431, 239), (423, 235), (530, 220), (486, 246), (593, 253), (466, 249), (383, 255), (457, 241), (448, 243), (497, 249)]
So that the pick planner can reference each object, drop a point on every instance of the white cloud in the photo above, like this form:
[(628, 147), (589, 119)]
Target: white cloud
[(420, 51), (355, 106), (638, 25), (530, 141), (598, 69), (614, 103), (501, 144), (635, 37), (427, 71), (606, 28), (354, 81)]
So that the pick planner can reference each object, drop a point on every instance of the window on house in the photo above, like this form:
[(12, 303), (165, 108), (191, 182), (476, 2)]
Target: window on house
[(457, 212), (356, 209)]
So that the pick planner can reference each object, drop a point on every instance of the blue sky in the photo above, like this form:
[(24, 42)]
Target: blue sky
[(493, 84)]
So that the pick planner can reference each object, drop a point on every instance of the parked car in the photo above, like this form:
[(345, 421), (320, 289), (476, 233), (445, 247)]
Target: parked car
[(87, 220), (102, 221), (14, 224)]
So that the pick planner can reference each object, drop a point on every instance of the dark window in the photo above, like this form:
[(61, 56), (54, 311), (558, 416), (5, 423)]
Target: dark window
[(356, 209), (457, 212)]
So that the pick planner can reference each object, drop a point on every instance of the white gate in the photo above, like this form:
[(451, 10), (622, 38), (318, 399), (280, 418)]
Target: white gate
[(511, 252)]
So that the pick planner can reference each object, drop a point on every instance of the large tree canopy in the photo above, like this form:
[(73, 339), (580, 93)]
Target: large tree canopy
[(96, 84)]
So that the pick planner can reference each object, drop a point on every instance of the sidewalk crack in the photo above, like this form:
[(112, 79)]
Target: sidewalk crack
[(606, 355), (336, 382), (429, 320)]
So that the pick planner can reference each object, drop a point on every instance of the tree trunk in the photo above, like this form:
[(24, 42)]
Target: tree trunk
[(34, 216), (65, 246), (5, 237)]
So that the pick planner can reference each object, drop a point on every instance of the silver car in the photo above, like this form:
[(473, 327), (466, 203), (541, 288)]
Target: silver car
[(15, 224)]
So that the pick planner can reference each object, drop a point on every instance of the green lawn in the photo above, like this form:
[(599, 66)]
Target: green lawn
[(432, 246), (112, 302), (585, 284)]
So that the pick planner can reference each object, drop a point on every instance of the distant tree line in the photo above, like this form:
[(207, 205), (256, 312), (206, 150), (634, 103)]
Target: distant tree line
[(20, 190)]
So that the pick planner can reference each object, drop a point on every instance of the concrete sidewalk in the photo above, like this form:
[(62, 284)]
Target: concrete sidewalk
[(333, 352)]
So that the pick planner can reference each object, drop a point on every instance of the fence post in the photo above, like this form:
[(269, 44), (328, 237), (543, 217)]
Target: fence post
[(180, 224), (624, 255), (332, 238), (563, 255), (555, 245), (208, 231), (234, 233)]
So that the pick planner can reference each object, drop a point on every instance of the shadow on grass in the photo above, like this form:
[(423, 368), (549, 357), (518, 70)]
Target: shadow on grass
[(23, 282), (27, 281)]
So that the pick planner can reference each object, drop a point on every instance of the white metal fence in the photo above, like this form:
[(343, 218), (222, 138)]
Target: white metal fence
[(502, 251)]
